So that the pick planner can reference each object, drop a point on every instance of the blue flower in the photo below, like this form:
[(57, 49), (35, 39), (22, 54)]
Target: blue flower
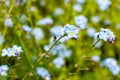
[(26, 28), (3, 70), (95, 19), (57, 31), (58, 11), (96, 58), (8, 22), (103, 4), (81, 21), (111, 63), (59, 62), (45, 21), (106, 35), (91, 32), (77, 7), (14, 51), (4, 52), (43, 72), (38, 33), (71, 31)]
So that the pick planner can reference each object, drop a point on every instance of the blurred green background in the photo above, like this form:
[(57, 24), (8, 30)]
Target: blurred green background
[(78, 66)]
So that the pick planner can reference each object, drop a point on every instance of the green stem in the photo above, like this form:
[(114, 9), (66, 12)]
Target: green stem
[(55, 44), (25, 52), (95, 43), (43, 56), (11, 7), (26, 75)]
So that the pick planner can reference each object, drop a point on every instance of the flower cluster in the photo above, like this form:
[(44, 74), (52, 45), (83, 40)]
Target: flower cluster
[(14, 51), (81, 21), (42, 72), (70, 30), (3, 70), (36, 32), (111, 63), (106, 35), (103, 4)]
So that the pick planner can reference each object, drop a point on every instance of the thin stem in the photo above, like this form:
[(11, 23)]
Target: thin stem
[(43, 56), (54, 44), (26, 75), (95, 43), (11, 7)]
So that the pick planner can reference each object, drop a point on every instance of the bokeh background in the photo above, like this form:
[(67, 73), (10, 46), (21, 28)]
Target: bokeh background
[(79, 64)]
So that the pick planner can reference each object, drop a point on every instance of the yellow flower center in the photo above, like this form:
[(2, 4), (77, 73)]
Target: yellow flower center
[(71, 32), (12, 52)]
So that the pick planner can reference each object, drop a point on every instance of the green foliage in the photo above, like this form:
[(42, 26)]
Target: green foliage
[(78, 66)]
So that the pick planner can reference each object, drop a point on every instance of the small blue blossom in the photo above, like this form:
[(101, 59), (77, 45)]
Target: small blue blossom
[(7, 3), (106, 35), (59, 62), (57, 31), (111, 63), (32, 8), (58, 11), (3, 70), (22, 18), (98, 45), (103, 4), (42, 72), (45, 21), (96, 58), (38, 33), (77, 7), (18, 49), (4, 52), (115, 69), (81, 21), (8, 22), (42, 2), (26, 28), (107, 22), (91, 31), (11, 52), (95, 19), (61, 51), (117, 26), (14, 51), (71, 31)]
